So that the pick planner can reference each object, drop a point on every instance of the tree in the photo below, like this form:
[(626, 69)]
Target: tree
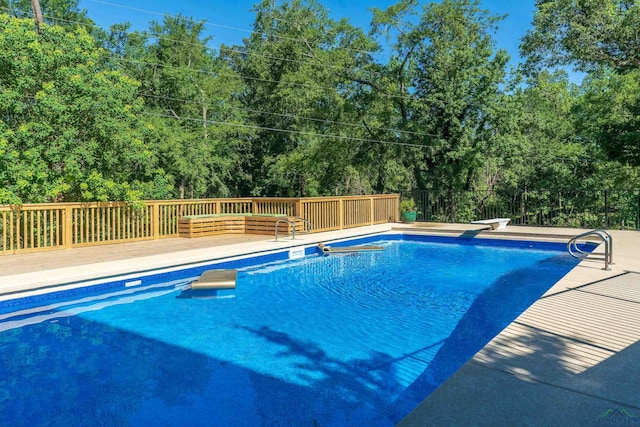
[(192, 103), (585, 33), (447, 77), (550, 153), (64, 13), (609, 115), (301, 71), (68, 129), (600, 37)]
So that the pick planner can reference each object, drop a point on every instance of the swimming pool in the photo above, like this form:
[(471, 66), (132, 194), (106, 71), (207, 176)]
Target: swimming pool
[(356, 339)]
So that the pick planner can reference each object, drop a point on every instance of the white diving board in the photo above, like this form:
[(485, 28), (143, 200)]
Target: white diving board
[(494, 223)]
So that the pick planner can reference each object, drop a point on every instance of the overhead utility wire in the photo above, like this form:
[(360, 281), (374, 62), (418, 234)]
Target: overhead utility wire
[(241, 76), (320, 135), (272, 129), (252, 78), (293, 116), (151, 36), (147, 35), (227, 27)]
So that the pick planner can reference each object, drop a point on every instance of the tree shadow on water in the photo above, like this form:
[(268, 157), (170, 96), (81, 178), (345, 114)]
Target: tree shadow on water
[(76, 371), (340, 392)]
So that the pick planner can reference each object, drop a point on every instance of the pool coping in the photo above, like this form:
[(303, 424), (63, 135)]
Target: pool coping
[(88, 274), (484, 391), (65, 278)]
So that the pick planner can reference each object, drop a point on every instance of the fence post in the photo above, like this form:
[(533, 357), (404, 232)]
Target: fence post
[(606, 210), (297, 209), (396, 208), (68, 227), (155, 220), (341, 212), (638, 213), (371, 211)]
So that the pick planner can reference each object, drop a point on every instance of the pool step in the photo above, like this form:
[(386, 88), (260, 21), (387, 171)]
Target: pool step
[(216, 279)]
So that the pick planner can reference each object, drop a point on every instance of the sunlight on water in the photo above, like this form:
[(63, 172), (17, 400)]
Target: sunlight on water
[(354, 339)]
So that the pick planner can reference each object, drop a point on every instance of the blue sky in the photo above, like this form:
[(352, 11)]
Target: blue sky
[(237, 14)]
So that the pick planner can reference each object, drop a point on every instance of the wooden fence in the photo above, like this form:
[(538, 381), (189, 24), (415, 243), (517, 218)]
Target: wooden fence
[(37, 227)]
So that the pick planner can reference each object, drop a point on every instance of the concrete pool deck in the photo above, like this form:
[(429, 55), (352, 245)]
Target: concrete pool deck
[(573, 358)]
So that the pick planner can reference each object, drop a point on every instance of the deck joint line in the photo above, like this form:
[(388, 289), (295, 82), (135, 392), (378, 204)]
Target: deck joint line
[(595, 282), (576, 340), (608, 296), (550, 384)]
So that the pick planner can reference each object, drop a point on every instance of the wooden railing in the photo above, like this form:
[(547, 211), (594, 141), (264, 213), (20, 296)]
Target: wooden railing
[(38, 227)]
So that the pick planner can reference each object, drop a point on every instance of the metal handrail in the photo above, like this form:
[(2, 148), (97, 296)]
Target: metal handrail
[(308, 227), (288, 222), (605, 237)]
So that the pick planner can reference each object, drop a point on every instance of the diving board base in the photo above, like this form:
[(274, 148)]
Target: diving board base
[(349, 249)]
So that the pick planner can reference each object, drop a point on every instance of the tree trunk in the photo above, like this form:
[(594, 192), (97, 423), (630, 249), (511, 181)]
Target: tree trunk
[(37, 13), (204, 115)]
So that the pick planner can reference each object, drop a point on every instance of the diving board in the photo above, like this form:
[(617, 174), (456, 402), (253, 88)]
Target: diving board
[(216, 279), (494, 223), (347, 249)]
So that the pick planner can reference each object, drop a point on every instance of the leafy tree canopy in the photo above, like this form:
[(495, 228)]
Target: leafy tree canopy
[(69, 130), (585, 33)]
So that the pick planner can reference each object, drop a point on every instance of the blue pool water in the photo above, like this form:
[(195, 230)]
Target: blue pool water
[(355, 340)]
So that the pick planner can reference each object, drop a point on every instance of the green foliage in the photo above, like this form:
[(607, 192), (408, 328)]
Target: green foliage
[(447, 78), (305, 107), (190, 94), (597, 36), (64, 13), (609, 115), (551, 153), (300, 80), (587, 33), (68, 127), (408, 205)]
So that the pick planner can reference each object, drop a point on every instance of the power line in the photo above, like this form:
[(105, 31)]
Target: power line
[(293, 116), (252, 78), (319, 135), (381, 93), (245, 77), (227, 27), (289, 131), (146, 35)]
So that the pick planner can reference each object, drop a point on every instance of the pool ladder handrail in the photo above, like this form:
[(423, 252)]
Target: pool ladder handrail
[(308, 226), (605, 237)]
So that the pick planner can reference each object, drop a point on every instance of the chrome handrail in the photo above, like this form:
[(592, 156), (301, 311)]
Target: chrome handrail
[(605, 237), (288, 222), (308, 227)]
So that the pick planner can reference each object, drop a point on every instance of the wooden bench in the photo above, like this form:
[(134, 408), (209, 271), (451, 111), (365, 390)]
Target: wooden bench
[(266, 225), (494, 223), (210, 225)]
